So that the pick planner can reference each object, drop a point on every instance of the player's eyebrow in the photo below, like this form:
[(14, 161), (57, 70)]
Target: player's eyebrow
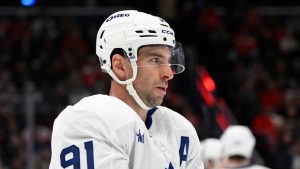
[(150, 51), (154, 54), (158, 54)]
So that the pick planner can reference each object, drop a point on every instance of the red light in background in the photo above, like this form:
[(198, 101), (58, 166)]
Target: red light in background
[(206, 86), (207, 96), (209, 84)]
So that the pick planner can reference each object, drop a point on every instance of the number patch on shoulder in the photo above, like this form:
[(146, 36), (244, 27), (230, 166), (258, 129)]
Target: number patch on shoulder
[(70, 156)]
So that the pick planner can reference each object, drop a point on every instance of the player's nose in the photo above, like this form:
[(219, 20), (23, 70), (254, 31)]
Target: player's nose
[(166, 72)]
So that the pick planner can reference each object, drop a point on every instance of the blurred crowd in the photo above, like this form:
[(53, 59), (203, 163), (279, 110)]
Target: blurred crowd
[(255, 60), (48, 62)]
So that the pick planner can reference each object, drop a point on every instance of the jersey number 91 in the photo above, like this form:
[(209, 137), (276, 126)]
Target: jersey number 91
[(75, 160)]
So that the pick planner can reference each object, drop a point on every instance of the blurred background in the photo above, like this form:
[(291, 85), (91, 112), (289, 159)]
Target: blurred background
[(242, 67)]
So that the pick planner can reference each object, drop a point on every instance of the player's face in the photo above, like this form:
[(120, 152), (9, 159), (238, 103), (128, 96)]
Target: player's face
[(153, 74)]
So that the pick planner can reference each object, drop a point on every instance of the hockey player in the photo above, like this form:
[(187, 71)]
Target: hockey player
[(128, 129), (238, 142), (212, 153)]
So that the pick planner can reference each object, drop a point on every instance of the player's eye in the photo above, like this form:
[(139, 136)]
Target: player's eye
[(155, 60)]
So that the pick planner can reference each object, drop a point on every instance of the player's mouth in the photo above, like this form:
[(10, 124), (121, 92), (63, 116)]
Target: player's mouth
[(162, 90)]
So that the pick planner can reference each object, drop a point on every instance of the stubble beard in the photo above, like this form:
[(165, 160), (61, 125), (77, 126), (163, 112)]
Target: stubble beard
[(149, 98), (154, 100)]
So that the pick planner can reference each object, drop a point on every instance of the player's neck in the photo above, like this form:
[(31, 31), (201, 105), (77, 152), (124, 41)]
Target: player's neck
[(119, 91)]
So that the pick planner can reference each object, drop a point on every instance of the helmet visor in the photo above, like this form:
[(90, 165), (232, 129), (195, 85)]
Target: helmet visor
[(175, 61)]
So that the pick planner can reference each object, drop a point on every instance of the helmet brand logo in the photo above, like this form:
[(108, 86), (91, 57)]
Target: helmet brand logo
[(167, 32), (120, 15)]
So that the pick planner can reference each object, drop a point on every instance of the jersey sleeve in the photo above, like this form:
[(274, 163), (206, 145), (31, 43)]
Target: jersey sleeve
[(194, 161), (85, 141)]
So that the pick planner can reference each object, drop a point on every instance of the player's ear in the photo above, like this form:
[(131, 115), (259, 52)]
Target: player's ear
[(121, 66)]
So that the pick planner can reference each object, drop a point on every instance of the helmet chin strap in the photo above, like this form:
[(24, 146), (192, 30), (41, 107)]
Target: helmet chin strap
[(129, 85), (132, 91), (138, 100)]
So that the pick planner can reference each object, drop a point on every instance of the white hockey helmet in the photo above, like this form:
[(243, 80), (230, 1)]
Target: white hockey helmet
[(238, 140), (129, 30), (211, 149)]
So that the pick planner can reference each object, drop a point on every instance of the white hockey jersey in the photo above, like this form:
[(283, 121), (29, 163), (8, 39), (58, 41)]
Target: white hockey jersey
[(102, 132)]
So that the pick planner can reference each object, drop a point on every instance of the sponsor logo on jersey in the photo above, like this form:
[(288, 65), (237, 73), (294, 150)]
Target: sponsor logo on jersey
[(119, 15), (140, 137)]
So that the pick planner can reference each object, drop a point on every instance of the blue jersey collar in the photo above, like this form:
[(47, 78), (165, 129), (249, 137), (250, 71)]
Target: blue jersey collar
[(148, 121)]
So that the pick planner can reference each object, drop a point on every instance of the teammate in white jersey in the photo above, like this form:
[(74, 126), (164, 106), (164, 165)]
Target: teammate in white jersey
[(212, 153), (129, 129), (238, 143)]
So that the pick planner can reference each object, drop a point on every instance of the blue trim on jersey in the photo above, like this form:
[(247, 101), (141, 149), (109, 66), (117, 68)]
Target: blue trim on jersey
[(148, 121)]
